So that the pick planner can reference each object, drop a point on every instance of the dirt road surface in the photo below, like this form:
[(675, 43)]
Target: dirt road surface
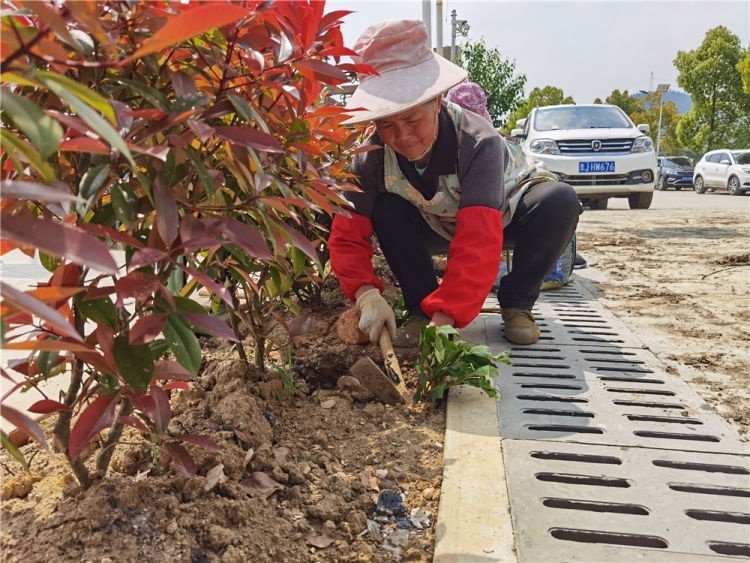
[(677, 275)]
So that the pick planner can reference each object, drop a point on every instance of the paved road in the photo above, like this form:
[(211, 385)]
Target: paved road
[(688, 199)]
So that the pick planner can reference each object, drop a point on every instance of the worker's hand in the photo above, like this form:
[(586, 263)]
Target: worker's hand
[(441, 319), (375, 314)]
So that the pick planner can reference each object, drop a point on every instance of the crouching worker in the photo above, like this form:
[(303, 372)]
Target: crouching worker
[(441, 181)]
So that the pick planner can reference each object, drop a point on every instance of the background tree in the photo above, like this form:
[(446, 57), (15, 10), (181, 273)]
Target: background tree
[(720, 116), (646, 110), (497, 76), (547, 96), (744, 67), (627, 103)]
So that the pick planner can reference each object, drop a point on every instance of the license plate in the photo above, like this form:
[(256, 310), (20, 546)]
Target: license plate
[(688, 179), (596, 167)]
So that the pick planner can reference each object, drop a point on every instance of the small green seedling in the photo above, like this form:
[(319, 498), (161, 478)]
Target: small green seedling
[(444, 363)]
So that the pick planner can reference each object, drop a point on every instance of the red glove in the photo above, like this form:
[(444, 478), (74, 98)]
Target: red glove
[(473, 262), (350, 246)]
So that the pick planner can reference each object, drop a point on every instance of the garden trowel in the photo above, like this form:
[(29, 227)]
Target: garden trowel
[(389, 386)]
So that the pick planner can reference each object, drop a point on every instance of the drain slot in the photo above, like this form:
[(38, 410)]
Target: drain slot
[(577, 479), (676, 436), (545, 375), (718, 516), (556, 412), (551, 398), (550, 386), (584, 458), (727, 548), (540, 365), (615, 538), (596, 506), (650, 405), (639, 380), (641, 391), (710, 490), (667, 419), (623, 369), (564, 428), (707, 467)]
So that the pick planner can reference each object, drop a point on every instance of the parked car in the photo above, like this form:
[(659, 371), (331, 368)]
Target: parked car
[(674, 172), (594, 148), (723, 169)]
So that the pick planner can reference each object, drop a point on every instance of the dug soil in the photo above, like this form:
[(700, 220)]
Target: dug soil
[(309, 459)]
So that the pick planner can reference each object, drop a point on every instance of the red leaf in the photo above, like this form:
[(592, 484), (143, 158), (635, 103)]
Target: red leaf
[(322, 71), (135, 422), (201, 441), (85, 144), (182, 460), (188, 24), (97, 416), (169, 369), (36, 192), (31, 305), (23, 423), (249, 137), (183, 385), (111, 234), (137, 285), (147, 328), (208, 282), (162, 413), (166, 212), (46, 406), (146, 257), (212, 324), (299, 240), (59, 239), (247, 238)]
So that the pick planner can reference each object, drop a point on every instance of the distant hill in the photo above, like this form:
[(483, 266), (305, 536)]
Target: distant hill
[(680, 99)]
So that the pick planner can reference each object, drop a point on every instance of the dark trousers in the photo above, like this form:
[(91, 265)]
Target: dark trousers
[(542, 226)]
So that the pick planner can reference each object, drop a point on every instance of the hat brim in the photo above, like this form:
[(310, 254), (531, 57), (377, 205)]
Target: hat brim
[(399, 90)]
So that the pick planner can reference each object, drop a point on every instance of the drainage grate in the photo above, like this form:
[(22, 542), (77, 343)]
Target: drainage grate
[(608, 456)]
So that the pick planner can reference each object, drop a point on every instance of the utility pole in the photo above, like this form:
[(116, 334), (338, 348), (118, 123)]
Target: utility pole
[(457, 26), (427, 19), (661, 89), (439, 26)]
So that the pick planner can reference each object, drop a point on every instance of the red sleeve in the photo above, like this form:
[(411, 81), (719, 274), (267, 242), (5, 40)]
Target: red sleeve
[(473, 262), (350, 246)]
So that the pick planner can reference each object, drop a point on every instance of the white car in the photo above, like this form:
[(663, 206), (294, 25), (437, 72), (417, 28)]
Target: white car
[(596, 149), (723, 168)]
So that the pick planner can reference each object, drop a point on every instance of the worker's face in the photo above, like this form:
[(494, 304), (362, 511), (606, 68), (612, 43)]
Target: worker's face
[(412, 132)]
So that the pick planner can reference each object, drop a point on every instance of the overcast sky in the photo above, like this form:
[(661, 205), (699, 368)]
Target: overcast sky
[(586, 48)]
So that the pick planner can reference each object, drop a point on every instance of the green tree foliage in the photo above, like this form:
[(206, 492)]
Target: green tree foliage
[(497, 76), (744, 67), (646, 110), (547, 96), (720, 116), (148, 150), (627, 103)]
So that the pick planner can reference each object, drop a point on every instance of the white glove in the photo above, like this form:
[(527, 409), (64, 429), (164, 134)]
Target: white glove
[(375, 313)]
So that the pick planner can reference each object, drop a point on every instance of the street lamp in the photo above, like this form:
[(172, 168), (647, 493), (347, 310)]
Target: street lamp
[(660, 89), (457, 26)]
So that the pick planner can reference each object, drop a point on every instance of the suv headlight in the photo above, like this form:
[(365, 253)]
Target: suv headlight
[(745, 170), (544, 146), (642, 144)]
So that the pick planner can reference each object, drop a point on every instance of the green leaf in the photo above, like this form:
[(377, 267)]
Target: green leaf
[(8, 444), (151, 95), (183, 343), (201, 171), (122, 199), (93, 180), (14, 145), (248, 113), (135, 363), (100, 310), (44, 131), (82, 105), (82, 92)]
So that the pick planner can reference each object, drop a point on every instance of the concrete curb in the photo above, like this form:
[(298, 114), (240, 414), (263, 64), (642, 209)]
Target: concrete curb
[(473, 524)]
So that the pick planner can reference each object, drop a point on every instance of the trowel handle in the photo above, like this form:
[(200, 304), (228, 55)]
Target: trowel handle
[(391, 361)]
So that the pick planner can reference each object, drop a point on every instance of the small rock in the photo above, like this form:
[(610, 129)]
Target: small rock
[(347, 328), (390, 503), (428, 493)]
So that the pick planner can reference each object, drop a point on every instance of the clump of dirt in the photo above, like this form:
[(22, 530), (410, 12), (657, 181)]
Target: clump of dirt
[(303, 464)]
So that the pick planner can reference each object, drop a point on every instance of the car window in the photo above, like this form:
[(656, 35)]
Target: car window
[(678, 161), (724, 158), (741, 157), (713, 157), (576, 117)]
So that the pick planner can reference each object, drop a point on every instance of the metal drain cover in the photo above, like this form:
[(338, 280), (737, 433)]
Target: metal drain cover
[(608, 456)]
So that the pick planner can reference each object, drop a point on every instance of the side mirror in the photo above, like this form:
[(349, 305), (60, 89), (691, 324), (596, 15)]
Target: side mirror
[(518, 133), (644, 128)]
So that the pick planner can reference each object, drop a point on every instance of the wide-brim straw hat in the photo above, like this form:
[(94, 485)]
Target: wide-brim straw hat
[(409, 73)]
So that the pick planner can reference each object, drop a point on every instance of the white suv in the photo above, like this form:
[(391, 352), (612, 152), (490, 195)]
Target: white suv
[(723, 168), (594, 148)]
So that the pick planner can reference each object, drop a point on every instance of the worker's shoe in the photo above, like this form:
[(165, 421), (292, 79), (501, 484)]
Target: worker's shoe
[(407, 335), (520, 326)]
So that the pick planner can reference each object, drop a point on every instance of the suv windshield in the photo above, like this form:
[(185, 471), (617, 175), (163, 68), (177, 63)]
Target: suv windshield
[(741, 157), (676, 162), (576, 117)]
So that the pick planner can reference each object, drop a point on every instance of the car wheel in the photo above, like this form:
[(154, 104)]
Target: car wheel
[(733, 186), (699, 186), (661, 184), (598, 203), (678, 188), (641, 200)]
